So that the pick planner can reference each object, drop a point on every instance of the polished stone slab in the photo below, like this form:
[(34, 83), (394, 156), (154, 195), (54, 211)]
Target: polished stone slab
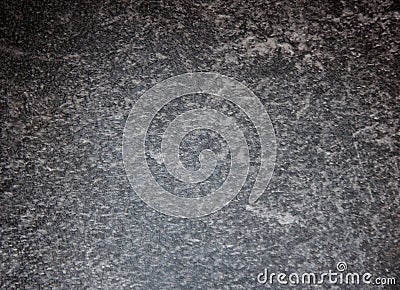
[(327, 73)]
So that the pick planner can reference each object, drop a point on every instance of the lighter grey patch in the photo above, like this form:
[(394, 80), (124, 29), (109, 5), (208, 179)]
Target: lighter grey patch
[(140, 118)]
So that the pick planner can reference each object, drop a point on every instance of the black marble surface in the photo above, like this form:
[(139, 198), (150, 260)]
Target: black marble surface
[(327, 72)]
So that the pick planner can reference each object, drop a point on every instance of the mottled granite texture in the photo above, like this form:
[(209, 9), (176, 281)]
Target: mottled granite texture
[(328, 75)]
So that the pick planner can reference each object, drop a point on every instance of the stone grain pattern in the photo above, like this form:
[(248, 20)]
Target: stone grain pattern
[(327, 72)]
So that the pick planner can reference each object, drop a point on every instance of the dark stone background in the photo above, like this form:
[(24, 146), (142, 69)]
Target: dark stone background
[(328, 75)]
